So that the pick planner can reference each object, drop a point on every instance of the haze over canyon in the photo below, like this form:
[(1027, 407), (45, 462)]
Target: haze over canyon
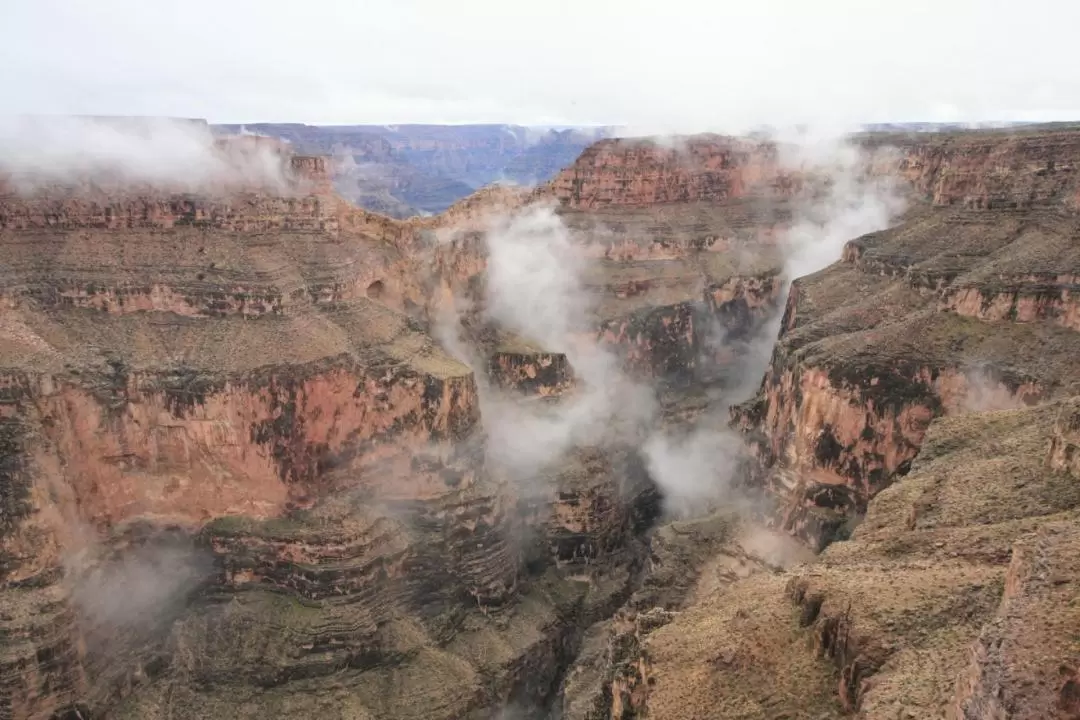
[(703, 426), (590, 361)]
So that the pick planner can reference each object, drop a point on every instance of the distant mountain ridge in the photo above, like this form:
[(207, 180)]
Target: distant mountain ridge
[(403, 170)]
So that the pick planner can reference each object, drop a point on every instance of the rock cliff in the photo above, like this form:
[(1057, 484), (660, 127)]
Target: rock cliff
[(644, 172), (239, 391), (407, 170), (915, 420), (248, 461), (956, 308)]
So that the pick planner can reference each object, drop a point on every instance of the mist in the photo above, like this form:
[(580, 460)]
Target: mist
[(535, 290), (162, 153), (852, 204), (842, 201), (137, 588)]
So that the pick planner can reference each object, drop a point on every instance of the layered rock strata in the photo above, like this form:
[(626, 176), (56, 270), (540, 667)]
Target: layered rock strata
[(910, 417), (242, 394), (238, 392), (947, 601), (915, 322)]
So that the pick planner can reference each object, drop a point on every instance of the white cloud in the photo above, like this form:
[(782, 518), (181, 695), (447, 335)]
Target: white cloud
[(679, 65)]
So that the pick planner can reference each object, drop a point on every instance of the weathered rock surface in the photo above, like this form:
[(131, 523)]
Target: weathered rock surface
[(876, 346), (647, 172), (913, 398), (242, 394)]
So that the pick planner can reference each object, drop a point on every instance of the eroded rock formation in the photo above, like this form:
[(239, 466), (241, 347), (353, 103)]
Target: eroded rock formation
[(276, 401), (240, 391), (911, 406)]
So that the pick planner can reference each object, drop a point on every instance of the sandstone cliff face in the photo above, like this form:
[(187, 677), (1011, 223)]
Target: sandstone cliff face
[(911, 401), (645, 172), (951, 311), (237, 392), (994, 170), (114, 450)]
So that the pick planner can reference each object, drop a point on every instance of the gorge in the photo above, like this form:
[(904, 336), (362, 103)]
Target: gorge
[(704, 427)]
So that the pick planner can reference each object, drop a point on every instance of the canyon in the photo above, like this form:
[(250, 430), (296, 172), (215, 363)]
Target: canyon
[(701, 428), (406, 170)]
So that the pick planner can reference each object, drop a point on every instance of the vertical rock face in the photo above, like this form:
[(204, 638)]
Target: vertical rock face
[(992, 171), (951, 311), (1065, 444), (532, 373), (916, 419), (646, 172), (241, 393), (690, 340)]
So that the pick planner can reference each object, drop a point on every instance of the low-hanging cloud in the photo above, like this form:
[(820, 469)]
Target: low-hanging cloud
[(842, 200), (535, 290), (161, 153), (853, 201)]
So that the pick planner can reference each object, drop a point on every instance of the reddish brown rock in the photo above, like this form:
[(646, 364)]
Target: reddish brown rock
[(992, 170), (951, 311), (530, 372), (645, 172), (1064, 453)]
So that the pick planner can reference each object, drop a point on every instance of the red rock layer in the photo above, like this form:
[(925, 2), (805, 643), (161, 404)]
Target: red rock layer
[(644, 172)]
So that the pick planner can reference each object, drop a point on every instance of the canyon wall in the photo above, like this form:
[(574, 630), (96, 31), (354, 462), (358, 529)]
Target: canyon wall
[(915, 421), (408, 170), (244, 392), (645, 172), (965, 305), (240, 392)]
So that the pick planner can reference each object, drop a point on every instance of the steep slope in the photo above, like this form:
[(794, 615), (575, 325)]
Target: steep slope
[(912, 396), (950, 600), (242, 392), (955, 308)]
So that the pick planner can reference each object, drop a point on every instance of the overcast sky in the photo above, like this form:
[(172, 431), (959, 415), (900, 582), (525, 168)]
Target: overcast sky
[(664, 65)]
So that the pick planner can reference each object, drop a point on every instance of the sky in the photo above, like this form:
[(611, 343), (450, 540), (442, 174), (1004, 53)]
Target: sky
[(663, 66)]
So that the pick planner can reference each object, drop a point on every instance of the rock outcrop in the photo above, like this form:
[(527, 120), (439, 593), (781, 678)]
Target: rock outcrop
[(697, 168), (950, 311)]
